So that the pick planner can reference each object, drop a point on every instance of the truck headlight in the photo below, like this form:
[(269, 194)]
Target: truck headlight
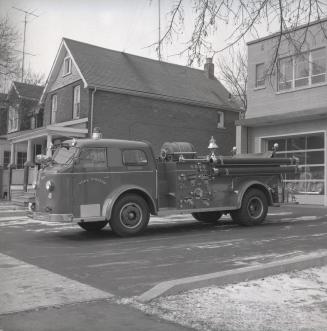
[(49, 185)]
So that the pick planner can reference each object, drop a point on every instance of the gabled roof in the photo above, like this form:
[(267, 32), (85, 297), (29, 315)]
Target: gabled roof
[(28, 91), (3, 96), (125, 73)]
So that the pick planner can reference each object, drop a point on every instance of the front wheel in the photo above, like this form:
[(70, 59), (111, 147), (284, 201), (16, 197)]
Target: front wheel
[(93, 226), (253, 210), (130, 215), (208, 217)]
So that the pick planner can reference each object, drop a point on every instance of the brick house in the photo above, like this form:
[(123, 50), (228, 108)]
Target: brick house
[(290, 107), (128, 97), (19, 112), (131, 97), (23, 114)]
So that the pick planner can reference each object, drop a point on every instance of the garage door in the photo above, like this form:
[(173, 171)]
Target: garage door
[(307, 186)]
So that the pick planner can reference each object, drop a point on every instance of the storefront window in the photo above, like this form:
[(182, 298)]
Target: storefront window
[(310, 150)]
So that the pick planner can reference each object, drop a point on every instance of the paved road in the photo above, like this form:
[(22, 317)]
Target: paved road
[(172, 247)]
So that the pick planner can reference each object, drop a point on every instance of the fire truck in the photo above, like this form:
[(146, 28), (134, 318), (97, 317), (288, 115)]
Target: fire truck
[(95, 182)]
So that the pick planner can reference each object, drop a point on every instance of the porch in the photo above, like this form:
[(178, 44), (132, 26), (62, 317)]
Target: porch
[(17, 184)]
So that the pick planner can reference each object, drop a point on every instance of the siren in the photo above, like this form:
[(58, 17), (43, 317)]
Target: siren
[(97, 134)]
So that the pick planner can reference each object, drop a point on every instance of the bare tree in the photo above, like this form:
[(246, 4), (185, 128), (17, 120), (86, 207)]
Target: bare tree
[(244, 16), (34, 78), (232, 71), (9, 63)]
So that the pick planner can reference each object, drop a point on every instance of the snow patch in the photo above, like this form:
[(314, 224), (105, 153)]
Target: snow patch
[(295, 301)]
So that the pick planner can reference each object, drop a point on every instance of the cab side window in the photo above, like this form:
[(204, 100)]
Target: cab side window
[(93, 158), (135, 157)]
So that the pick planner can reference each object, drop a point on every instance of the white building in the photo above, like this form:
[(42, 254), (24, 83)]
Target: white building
[(290, 106)]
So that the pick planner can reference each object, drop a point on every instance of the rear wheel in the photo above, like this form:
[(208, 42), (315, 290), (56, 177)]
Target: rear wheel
[(130, 215), (253, 210), (93, 226), (208, 217)]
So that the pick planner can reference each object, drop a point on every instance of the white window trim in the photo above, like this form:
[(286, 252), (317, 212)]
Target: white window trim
[(256, 86), (221, 122), (13, 119), (54, 111), (69, 67), (310, 85), (75, 116)]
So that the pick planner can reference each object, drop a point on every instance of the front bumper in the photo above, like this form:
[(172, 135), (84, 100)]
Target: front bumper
[(61, 218), (64, 218)]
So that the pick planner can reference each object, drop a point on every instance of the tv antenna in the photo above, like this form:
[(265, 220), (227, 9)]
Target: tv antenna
[(159, 30), (26, 14)]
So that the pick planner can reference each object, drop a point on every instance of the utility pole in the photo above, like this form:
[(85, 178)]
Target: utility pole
[(159, 36), (26, 13)]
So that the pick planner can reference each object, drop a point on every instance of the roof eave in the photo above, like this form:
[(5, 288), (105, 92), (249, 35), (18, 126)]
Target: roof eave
[(276, 34), (62, 44), (166, 98)]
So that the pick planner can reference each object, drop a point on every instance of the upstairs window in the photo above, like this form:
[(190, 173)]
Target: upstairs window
[(32, 122), (67, 66), (285, 73), (318, 60), (259, 75), (54, 104), (220, 120), (303, 70), (12, 119), (77, 99)]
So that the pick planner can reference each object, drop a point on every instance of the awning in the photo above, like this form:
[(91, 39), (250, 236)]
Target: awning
[(64, 129)]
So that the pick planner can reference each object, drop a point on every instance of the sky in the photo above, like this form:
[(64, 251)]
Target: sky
[(123, 25), (126, 25)]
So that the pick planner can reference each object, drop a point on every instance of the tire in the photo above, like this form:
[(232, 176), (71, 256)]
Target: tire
[(253, 210), (130, 215), (208, 217), (93, 226)]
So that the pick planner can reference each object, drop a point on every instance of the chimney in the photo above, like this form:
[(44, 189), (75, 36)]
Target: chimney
[(209, 68)]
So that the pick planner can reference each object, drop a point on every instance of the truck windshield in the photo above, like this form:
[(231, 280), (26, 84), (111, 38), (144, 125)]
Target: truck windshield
[(64, 155)]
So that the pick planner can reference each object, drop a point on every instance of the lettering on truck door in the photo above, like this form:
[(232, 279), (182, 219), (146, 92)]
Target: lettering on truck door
[(90, 182)]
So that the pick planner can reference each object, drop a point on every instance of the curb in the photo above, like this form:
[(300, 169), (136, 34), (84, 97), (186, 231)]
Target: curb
[(13, 213), (235, 275)]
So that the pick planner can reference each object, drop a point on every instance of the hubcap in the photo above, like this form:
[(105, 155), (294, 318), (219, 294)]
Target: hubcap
[(255, 208), (131, 215)]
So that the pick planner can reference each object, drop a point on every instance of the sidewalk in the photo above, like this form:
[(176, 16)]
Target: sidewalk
[(94, 316), (294, 301)]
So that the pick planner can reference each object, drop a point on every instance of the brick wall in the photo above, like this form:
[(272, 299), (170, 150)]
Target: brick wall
[(65, 103), (130, 117)]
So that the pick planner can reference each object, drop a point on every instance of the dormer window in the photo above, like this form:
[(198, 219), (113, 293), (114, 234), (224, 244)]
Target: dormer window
[(67, 66)]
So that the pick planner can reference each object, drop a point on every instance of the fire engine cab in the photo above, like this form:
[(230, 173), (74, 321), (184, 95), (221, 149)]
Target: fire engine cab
[(98, 181)]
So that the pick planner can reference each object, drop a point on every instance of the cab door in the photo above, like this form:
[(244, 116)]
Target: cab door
[(90, 182), (140, 169)]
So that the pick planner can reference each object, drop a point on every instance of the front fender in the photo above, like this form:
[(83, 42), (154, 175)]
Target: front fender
[(256, 184), (110, 200)]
